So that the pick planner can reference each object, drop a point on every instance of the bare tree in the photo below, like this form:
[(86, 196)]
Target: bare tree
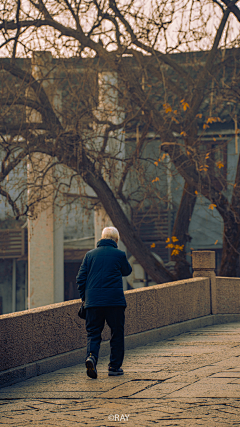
[(159, 92)]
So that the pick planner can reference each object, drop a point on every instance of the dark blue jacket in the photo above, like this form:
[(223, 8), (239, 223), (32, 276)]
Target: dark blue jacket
[(99, 278)]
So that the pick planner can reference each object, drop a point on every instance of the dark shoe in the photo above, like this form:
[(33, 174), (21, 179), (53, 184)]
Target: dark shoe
[(113, 372), (91, 367)]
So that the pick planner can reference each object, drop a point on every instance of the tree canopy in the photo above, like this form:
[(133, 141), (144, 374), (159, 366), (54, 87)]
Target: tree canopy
[(173, 68)]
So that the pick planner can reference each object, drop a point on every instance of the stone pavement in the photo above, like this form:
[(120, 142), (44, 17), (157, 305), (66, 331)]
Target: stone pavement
[(188, 380)]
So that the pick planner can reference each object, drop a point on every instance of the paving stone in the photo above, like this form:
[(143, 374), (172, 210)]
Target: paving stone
[(227, 374), (215, 387), (127, 389), (160, 390), (189, 380)]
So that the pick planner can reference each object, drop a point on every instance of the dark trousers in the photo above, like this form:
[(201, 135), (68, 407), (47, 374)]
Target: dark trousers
[(95, 320)]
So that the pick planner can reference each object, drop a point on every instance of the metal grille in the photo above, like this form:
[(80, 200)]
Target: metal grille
[(155, 227), (12, 243)]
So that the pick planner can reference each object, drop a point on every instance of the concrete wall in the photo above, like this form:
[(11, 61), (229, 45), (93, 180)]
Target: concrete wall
[(227, 295), (44, 339), (48, 331)]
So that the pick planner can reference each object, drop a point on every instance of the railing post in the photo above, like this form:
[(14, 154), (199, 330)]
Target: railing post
[(203, 263)]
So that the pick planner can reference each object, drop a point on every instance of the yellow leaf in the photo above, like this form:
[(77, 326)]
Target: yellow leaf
[(167, 108), (204, 168), (179, 248), (214, 139), (220, 165), (175, 252), (207, 156), (212, 206), (170, 245), (163, 156), (168, 240), (184, 104), (152, 245), (216, 242), (213, 119), (183, 133), (188, 153), (156, 163), (156, 179), (205, 126), (196, 192), (199, 116), (174, 239)]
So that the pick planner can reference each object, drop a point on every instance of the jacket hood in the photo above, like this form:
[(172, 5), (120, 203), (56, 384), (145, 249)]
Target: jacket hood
[(107, 242)]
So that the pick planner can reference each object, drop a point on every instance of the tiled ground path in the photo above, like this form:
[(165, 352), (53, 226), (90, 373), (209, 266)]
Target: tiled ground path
[(189, 380)]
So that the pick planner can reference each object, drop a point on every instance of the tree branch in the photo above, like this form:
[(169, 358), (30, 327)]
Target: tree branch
[(75, 17), (20, 129), (199, 91), (42, 8), (23, 100), (232, 7), (134, 156), (10, 201), (11, 165), (47, 111), (165, 58), (18, 30), (195, 178)]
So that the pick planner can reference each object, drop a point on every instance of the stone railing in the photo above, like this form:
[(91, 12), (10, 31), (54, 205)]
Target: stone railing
[(47, 338)]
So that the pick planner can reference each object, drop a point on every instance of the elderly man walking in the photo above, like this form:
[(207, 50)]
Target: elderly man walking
[(100, 285)]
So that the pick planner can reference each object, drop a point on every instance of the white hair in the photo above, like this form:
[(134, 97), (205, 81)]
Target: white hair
[(110, 233)]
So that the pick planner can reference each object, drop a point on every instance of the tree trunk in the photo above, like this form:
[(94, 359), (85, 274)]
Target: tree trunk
[(180, 230), (128, 235), (231, 235), (230, 253)]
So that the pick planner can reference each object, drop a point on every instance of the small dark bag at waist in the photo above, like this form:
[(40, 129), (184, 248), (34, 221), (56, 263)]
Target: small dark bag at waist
[(82, 311)]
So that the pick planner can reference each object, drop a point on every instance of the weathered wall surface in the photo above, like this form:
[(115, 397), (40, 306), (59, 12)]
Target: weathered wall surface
[(165, 304), (39, 333), (227, 295), (44, 339)]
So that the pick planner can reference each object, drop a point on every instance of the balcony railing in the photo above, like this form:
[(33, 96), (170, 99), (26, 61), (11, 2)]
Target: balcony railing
[(13, 243)]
